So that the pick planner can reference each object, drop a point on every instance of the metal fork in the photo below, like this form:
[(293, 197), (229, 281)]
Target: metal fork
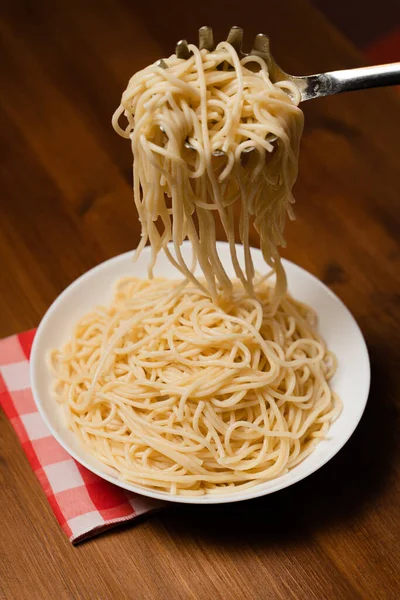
[(310, 86)]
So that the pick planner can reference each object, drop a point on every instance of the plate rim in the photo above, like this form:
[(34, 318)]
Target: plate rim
[(255, 492)]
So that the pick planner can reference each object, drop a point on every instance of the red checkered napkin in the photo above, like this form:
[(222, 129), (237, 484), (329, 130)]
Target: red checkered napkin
[(83, 503)]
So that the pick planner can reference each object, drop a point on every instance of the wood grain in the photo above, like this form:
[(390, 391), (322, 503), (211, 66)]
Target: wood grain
[(66, 205)]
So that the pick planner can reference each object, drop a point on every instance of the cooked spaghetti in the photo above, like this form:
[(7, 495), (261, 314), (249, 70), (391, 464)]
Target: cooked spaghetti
[(216, 105), (204, 385), (184, 396)]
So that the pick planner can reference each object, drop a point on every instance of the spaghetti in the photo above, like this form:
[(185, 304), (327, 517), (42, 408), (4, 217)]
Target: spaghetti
[(192, 126), (176, 393), (204, 385)]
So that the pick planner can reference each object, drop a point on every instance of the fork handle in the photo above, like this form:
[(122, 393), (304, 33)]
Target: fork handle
[(335, 82)]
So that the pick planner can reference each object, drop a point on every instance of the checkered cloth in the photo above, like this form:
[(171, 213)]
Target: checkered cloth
[(83, 503)]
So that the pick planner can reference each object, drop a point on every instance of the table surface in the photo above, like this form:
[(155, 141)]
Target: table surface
[(66, 205)]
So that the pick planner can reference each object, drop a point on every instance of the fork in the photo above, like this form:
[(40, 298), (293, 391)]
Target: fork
[(310, 86)]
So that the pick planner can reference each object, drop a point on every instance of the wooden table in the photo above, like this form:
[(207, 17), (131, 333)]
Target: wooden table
[(66, 205)]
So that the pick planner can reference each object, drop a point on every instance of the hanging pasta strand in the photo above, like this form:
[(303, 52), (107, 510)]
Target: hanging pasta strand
[(220, 145)]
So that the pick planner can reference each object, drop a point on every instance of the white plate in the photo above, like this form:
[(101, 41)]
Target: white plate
[(95, 287)]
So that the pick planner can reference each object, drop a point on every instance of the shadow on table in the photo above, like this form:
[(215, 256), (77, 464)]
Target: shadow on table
[(337, 492)]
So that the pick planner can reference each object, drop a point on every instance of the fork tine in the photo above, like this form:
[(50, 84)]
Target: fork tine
[(206, 38), (162, 64), (182, 50), (261, 45), (235, 37)]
